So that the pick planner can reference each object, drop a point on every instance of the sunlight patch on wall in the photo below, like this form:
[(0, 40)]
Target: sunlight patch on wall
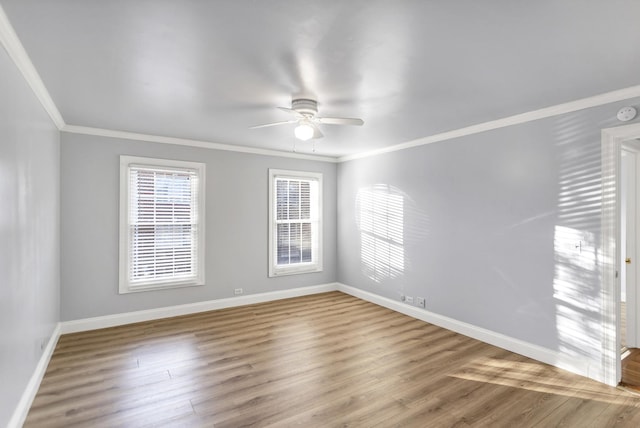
[(576, 281), (380, 218), (575, 306)]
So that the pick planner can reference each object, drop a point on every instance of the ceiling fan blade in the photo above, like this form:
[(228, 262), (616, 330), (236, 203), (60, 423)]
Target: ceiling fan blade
[(266, 125), (293, 112), (316, 132), (340, 121)]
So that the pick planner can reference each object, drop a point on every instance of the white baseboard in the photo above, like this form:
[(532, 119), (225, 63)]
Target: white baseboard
[(190, 308), (539, 353), (29, 393)]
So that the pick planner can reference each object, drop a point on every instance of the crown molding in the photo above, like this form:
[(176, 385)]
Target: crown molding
[(556, 110), (86, 130), (18, 54)]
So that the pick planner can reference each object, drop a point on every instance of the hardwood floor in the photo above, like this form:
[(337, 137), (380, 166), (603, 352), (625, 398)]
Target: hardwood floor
[(323, 360), (631, 370)]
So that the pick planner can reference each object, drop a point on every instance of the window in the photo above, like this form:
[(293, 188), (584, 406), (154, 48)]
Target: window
[(161, 224), (295, 222)]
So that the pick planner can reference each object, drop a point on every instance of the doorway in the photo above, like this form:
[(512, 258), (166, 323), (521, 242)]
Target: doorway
[(611, 252), (629, 228)]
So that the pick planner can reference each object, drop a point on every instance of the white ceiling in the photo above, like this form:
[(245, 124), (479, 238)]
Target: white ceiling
[(208, 70)]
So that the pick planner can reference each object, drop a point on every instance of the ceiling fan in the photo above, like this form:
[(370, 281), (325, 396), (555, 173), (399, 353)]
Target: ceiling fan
[(304, 111)]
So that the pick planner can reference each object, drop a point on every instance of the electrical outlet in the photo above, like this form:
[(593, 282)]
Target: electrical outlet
[(578, 247), (421, 302), (238, 291), (409, 300), (402, 297)]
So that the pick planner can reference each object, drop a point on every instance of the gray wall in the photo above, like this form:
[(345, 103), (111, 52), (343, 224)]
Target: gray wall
[(29, 233), (236, 225), (488, 227)]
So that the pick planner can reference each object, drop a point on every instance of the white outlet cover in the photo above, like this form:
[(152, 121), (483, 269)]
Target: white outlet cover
[(626, 114)]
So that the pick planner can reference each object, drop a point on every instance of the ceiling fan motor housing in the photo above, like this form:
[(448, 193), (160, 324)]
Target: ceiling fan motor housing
[(305, 106)]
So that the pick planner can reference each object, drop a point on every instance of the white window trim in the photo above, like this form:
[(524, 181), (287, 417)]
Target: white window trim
[(124, 283), (299, 268)]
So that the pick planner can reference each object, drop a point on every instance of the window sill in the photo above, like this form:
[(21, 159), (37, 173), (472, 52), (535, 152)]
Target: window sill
[(275, 272)]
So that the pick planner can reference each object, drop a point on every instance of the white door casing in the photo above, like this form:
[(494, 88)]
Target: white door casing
[(610, 254), (628, 241)]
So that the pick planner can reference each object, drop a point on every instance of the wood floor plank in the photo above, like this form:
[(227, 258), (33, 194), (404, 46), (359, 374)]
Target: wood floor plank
[(322, 360)]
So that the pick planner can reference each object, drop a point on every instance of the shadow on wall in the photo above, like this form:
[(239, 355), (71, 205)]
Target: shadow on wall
[(382, 213), (576, 290)]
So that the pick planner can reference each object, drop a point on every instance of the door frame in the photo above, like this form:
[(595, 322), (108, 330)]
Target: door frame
[(630, 207), (612, 140)]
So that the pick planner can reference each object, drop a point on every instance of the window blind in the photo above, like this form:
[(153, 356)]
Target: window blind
[(294, 221), (163, 225)]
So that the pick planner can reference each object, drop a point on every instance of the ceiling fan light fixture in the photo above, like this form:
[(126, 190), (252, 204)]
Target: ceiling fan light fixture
[(304, 112), (304, 131)]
